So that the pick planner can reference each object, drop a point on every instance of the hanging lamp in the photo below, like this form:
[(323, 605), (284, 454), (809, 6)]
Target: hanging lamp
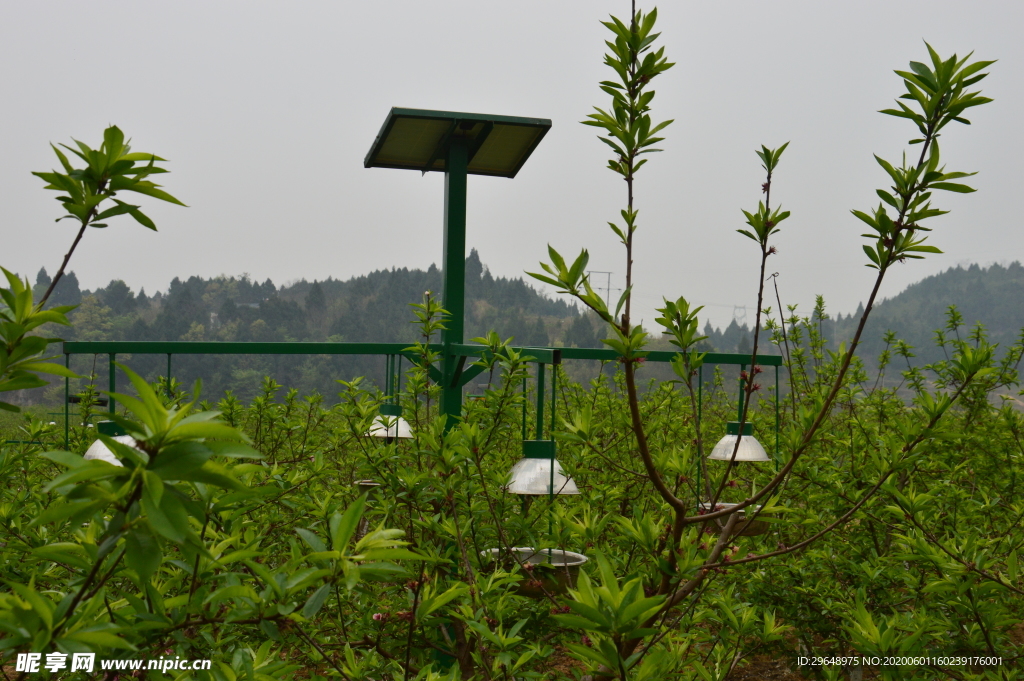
[(100, 452), (539, 472), (389, 424), (749, 448)]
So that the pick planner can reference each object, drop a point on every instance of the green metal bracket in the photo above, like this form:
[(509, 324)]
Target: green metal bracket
[(538, 449), (472, 372), (460, 364)]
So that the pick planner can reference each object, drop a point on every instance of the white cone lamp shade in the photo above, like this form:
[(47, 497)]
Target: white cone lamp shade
[(100, 452), (538, 472), (390, 423), (749, 449)]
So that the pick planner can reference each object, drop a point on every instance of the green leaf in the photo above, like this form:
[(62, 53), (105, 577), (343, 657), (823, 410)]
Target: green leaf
[(64, 552), (952, 187), (168, 517), (311, 539), (143, 219), (142, 553), (178, 460), (434, 603), (90, 470), (316, 601), (149, 189), (100, 638), (344, 526), (139, 156), (233, 591)]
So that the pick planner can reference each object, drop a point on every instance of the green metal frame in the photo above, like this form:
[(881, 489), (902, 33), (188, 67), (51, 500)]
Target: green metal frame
[(453, 373), (452, 376)]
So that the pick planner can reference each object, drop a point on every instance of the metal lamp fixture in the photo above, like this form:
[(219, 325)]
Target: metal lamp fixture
[(749, 448), (538, 472), (100, 452), (390, 423)]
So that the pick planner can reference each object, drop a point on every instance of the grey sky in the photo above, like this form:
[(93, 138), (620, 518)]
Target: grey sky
[(266, 110)]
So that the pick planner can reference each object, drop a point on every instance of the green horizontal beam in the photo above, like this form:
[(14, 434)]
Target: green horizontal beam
[(666, 356), (226, 348), (542, 355)]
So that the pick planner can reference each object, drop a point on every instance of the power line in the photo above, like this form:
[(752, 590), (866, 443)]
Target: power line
[(607, 288)]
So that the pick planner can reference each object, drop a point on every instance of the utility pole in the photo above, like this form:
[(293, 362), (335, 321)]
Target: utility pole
[(607, 288), (739, 318)]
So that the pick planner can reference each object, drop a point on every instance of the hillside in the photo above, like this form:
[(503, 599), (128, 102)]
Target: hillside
[(372, 307), (375, 307), (991, 296)]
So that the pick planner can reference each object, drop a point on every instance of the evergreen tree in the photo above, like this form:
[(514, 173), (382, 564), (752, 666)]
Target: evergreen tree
[(67, 291), (118, 297), (581, 333), (42, 283), (316, 302)]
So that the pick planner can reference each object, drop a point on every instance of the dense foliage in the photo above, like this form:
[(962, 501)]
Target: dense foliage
[(259, 576)]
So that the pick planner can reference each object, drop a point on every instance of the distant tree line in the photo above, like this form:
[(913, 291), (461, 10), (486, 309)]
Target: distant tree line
[(373, 307), (986, 296)]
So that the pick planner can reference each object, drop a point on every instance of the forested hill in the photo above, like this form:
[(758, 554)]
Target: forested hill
[(373, 307), (992, 296)]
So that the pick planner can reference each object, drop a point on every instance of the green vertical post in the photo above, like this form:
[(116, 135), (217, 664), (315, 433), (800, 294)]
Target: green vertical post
[(700, 413), (454, 293), (776, 457), (700, 392), (67, 403), (524, 407), (554, 398), (113, 382), (169, 393), (540, 400), (739, 407)]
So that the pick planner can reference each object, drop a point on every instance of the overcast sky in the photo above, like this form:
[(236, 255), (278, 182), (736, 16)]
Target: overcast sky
[(266, 110)]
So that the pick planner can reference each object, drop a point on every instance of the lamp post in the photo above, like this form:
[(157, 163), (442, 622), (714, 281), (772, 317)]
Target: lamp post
[(459, 145)]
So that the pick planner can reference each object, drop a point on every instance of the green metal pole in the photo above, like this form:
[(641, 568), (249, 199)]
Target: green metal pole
[(169, 393), (554, 398), (540, 401), (454, 293), (113, 382), (776, 457), (700, 392), (524, 407), (700, 413), (739, 407), (394, 379), (67, 403)]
